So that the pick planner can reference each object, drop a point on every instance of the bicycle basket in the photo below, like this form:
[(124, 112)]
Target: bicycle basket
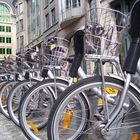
[(104, 34), (56, 52)]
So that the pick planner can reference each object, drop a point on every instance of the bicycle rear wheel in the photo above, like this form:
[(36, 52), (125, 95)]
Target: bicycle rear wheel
[(125, 126)]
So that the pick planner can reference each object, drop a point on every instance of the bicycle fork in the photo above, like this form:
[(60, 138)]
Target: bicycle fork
[(120, 105), (110, 118)]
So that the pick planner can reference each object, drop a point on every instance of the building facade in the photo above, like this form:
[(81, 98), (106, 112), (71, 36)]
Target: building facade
[(72, 15), (38, 20), (35, 20), (44, 18), (51, 18), (21, 24), (8, 42)]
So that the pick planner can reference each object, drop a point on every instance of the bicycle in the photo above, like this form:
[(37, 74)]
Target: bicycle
[(9, 82), (52, 88), (16, 74), (16, 93), (119, 98)]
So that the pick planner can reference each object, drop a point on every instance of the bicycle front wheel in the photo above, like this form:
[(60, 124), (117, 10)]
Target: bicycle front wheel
[(15, 97), (62, 126), (36, 105), (4, 92)]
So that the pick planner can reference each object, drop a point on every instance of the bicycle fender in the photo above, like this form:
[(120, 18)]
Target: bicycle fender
[(121, 79)]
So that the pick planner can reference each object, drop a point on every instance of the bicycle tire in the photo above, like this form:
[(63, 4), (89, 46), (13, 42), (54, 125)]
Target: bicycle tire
[(24, 103), (3, 93), (53, 132), (14, 99)]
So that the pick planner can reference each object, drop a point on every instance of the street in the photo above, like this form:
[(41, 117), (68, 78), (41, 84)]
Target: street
[(9, 131)]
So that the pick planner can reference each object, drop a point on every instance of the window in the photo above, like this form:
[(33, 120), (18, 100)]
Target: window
[(68, 4), (2, 39), (79, 2), (20, 8), (8, 29), (21, 41), (34, 16), (5, 15), (21, 25), (2, 50), (16, 10), (2, 28), (17, 26), (4, 9), (73, 3), (53, 16), (76, 3), (8, 39), (9, 51), (47, 21)]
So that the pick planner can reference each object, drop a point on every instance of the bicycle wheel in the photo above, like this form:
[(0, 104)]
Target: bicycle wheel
[(4, 92), (36, 105), (124, 127), (2, 83), (15, 97)]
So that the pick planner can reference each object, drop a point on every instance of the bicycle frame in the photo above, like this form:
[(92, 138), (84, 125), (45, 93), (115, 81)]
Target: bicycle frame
[(80, 73), (131, 59)]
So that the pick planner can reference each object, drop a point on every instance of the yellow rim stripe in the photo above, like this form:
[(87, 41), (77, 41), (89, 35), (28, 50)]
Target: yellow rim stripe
[(67, 119), (33, 127)]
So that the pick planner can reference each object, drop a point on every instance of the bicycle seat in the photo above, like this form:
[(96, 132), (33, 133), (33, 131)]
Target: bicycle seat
[(134, 20)]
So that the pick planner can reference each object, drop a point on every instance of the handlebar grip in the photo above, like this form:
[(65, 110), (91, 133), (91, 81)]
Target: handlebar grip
[(133, 56)]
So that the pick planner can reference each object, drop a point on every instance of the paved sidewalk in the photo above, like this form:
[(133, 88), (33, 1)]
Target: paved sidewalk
[(9, 131)]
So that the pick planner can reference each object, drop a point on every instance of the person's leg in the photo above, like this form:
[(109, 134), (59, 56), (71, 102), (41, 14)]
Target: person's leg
[(79, 51)]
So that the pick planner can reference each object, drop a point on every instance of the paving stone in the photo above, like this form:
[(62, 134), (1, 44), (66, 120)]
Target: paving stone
[(9, 131)]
